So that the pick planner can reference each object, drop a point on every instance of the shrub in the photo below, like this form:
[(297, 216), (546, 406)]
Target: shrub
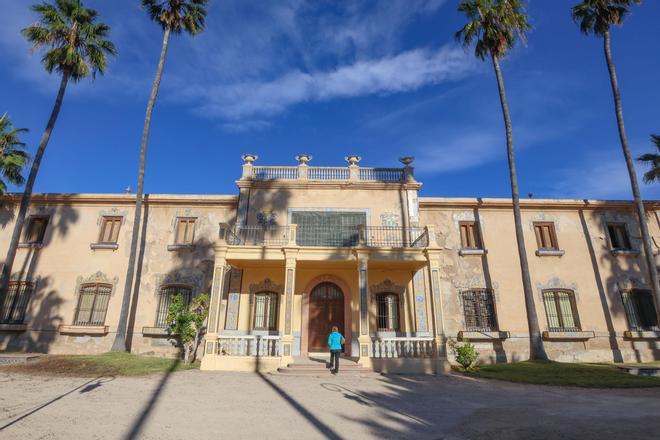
[(465, 354), (188, 323)]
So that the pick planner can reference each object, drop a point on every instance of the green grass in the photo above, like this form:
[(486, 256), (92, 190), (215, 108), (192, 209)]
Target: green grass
[(564, 374), (107, 364)]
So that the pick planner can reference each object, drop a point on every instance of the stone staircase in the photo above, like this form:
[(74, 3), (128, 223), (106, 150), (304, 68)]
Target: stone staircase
[(319, 366)]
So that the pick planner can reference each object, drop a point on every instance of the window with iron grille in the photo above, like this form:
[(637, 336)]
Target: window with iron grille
[(640, 310), (618, 234), (36, 229), (546, 237), (92, 304), (165, 300), (265, 311), (470, 237), (185, 230), (561, 311), (319, 228), (16, 302), (479, 310), (388, 312), (110, 230)]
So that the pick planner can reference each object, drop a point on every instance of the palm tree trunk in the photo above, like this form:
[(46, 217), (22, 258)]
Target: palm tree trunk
[(639, 204), (536, 349), (119, 343), (27, 193)]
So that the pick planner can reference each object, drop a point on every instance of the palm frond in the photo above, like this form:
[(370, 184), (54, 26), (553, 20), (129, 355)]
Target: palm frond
[(598, 16), (178, 15), (76, 44)]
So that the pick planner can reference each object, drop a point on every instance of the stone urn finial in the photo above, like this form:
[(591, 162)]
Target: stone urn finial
[(249, 158), (303, 158), (406, 160), (353, 159)]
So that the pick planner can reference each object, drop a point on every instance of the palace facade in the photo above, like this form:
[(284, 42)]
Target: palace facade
[(302, 248)]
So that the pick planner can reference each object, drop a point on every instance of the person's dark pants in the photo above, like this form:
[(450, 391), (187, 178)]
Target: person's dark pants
[(334, 359)]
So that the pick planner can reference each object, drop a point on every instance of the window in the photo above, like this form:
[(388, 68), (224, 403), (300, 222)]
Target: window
[(546, 238), (470, 237), (110, 230), (561, 311), (165, 300), (185, 230), (36, 229), (16, 302), (388, 312), (317, 228), (640, 310), (92, 304), (619, 239), (479, 310), (265, 311)]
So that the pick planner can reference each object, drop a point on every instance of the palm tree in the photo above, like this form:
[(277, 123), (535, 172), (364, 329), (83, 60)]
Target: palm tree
[(597, 17), (77, 48), (13, 157), (653, 160), (174, 16), (494, 26)]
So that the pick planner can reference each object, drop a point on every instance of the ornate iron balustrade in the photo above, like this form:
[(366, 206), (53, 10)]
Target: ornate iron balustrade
[(382, 348), (381, 174), (249, 345), (258, 236), (274, 173), (329, 236)]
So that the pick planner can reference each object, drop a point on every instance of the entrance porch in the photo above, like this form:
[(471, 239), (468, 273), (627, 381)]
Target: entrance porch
[(273, 304)]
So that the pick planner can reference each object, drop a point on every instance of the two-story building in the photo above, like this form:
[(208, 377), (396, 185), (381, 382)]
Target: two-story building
[(303, 248)]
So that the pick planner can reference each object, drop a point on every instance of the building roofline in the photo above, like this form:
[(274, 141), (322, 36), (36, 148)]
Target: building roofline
[(472, 202), (127, 199)]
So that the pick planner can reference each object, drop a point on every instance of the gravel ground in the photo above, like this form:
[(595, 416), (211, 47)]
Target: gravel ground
[(205, 405)]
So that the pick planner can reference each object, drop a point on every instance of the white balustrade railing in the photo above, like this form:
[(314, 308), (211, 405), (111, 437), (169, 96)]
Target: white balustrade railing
[(381, 174), (274, 173), (382, 348), (328, 173), (249, 345)]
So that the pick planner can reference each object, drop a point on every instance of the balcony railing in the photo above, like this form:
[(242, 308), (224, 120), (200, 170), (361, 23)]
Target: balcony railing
[(383, 348), (329, 236), (249, 345), (258, 236), (327, 174)]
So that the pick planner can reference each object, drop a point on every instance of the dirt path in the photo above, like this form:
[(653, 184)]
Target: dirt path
[(202, 405)]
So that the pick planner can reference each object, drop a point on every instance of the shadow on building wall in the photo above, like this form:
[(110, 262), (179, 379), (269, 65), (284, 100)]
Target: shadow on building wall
[(43, 309)]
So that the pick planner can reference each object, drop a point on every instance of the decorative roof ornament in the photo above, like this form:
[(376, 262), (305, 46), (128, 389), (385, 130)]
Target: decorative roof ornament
[(249, 158), (407, 160), (303, 158), (353, 159)]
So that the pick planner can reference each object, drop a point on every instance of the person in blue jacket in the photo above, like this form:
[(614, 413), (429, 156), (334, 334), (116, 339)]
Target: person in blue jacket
[(335, 341)]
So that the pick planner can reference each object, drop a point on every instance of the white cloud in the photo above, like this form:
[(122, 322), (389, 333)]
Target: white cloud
[(399, 73)]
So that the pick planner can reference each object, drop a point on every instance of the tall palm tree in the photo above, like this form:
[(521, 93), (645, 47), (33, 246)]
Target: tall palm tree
[(597, 17), (494, 26), (13, 157), (653, 160), (174, 16), (77, 47)]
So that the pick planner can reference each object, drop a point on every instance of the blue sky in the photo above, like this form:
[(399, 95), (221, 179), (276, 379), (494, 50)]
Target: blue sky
[(378, 78)]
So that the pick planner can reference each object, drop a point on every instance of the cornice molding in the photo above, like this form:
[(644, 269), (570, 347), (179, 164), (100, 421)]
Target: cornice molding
[(560, 204), (302, 184), (126, 199)]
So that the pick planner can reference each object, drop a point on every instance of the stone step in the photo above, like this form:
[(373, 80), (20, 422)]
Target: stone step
[(361, 372)]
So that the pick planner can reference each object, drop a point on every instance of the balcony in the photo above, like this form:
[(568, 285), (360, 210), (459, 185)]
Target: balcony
[(327, 236), (304, 172)]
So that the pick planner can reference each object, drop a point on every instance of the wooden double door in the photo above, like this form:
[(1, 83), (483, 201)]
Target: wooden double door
[(326, 309)]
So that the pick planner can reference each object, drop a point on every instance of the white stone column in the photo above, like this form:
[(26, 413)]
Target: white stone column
[(364, 339), (216, 298), (289, 291)]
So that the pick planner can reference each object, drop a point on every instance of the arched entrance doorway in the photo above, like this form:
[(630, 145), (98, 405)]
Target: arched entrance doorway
[(326, 309)]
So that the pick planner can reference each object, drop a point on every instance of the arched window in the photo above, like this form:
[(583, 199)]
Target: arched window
[(92, 304), (265, 311), (388, 312), (165, 300)]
